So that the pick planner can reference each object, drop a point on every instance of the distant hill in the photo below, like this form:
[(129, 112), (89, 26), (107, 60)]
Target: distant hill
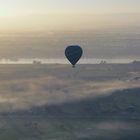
[(121, 103)]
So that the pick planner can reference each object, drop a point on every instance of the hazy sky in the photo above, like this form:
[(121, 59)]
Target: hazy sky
[(66, 22), (52, 14), (14, 7)]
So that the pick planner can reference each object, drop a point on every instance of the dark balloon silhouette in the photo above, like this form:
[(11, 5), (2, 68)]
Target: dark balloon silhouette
[(73, 54)]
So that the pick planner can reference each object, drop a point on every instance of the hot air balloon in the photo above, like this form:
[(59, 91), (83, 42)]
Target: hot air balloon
[(73, 54)]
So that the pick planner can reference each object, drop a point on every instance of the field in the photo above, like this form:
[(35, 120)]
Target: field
[(57, 102)]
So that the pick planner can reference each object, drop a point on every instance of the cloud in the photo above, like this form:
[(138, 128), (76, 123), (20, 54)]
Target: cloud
[(26, 93)]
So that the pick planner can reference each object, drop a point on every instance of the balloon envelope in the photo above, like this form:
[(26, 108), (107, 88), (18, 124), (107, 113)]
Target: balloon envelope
[(73, 54)]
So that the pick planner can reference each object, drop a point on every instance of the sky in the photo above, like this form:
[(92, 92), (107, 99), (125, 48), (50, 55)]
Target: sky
[(14, 7), (52, 14), (89, 23)]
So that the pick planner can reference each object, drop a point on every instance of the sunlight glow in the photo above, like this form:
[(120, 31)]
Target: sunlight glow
[(51, 14)]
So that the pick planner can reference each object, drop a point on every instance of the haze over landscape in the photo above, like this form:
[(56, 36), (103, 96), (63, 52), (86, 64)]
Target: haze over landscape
[(47, 99), (39, 29)]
